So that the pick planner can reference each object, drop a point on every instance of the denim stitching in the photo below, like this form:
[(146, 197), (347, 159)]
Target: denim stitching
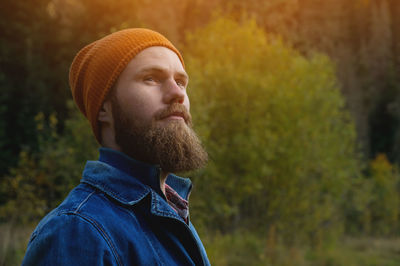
[(108, 190), (164, 213), (102, 233), (103, 188), (83, 202)]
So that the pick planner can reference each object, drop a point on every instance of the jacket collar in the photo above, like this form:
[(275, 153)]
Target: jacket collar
[(129, 181)]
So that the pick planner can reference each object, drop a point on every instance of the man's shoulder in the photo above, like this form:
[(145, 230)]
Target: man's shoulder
[(67, 214), (67, 232), (86, 204), (87, 215)]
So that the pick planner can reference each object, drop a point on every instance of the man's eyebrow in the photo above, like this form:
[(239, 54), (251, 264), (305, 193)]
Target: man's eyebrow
[(160, 69)]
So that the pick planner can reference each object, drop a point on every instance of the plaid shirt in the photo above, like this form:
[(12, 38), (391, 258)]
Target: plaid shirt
[(180, 205)]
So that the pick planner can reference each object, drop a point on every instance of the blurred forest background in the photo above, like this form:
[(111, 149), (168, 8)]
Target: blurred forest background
[(297, 102)]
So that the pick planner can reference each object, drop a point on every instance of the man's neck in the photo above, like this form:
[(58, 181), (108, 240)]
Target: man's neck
[(163, 177)]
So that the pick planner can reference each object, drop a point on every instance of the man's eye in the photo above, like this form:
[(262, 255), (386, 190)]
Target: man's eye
[(180, 83), (149, 78)]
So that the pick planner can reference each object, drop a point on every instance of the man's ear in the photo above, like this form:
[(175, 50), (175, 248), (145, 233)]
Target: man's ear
[(105, 113)]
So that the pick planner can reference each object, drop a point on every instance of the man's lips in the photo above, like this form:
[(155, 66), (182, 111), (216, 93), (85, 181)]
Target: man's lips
[(174, 112), (175, 116)]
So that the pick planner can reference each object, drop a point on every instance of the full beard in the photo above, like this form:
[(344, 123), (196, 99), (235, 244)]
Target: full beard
[(173, 145)]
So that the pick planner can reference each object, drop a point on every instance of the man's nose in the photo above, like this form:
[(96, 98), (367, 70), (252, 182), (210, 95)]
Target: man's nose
[(173, 93)]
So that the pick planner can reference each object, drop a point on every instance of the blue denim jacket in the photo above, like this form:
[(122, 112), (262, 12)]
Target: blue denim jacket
[(117, 215)]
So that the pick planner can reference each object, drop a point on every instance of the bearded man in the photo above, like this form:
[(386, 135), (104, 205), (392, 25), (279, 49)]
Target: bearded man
[(129, 209)]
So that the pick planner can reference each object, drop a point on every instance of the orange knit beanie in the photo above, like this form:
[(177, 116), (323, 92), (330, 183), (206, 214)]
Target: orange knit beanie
[(98, 65)]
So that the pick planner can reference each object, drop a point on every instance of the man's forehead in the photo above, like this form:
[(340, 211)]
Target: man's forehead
[(156, 58), (159, 69)]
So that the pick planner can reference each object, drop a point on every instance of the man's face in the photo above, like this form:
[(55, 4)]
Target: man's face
[(152, 80), (150, 109)]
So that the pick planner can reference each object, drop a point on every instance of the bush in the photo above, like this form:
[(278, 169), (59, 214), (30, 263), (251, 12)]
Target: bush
[(281, 144), (43, 178)]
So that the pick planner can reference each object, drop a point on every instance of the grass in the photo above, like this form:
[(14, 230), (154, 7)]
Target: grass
[(244, 248), (363, 251), (247, 249), (13, 242)]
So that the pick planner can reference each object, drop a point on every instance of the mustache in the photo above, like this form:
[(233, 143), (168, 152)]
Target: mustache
[(174, 109)]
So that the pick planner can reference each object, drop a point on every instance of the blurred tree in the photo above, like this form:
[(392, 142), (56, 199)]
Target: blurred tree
[(362, 39), (39, 41), (372, 205), (282, 147), (384, 202), (43, 178), (29, 80)]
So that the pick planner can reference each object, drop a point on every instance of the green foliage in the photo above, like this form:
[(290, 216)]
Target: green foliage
[(282, 147), (33, 70), (372, 205), (375, 202), (44, 177), (384, 202), (39, 41)]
